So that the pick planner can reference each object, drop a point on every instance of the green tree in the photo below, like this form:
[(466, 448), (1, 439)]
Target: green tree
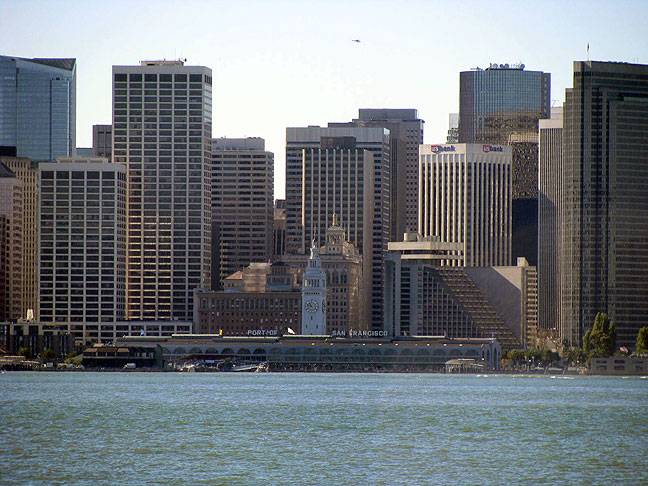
[(600, 340), (24, 351), (642, 341), (515, 355), (48, 354)]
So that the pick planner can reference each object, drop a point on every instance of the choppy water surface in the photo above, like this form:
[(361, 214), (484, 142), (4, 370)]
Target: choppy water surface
[(109, 428)]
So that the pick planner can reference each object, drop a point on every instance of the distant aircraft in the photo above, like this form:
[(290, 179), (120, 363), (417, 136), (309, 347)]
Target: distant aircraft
[(355, 40)]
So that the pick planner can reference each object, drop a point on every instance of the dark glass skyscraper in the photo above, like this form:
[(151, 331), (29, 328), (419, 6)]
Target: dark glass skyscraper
[(604, 211), (37, 107), (502, 103)]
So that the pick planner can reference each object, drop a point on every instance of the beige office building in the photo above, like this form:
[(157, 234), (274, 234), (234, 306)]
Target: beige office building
[(22, 239), (242, 205), (465, 197)]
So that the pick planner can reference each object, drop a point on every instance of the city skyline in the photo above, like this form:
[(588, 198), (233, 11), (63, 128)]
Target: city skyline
[(264, 82)]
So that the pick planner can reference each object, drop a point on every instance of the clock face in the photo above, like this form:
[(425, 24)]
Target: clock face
[(311, 306)]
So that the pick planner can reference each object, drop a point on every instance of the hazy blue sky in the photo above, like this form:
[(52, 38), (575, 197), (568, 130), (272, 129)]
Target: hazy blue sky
[(292, 63)]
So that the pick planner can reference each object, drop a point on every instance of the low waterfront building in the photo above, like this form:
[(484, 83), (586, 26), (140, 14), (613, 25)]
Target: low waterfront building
[(619, 365), (326, 353), (62, 337), (120, 357)]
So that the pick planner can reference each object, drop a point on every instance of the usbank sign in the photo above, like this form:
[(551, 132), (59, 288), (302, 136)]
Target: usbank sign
[(442, 148), (492, 148)]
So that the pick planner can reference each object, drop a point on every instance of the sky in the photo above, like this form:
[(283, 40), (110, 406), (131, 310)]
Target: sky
[(293, 63)]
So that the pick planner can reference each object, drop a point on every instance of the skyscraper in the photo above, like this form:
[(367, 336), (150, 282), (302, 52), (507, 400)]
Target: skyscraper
[(24, 238), (502, 103), (37, 107), (162, 132), (465, 197), (549, 225), (102, 141), (82, 245), (405, 136), (605, 199), (242, 205), (343, 171), (11, 212)]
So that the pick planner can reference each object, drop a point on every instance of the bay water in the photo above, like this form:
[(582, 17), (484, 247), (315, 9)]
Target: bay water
[(309, 428)]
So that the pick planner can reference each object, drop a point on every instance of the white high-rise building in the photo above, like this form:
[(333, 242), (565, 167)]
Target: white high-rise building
[(465, 197), (314, 295), (162, 133)]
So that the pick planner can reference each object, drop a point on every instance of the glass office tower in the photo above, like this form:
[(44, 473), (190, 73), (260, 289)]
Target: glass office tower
[(37, 107), (502, 104)]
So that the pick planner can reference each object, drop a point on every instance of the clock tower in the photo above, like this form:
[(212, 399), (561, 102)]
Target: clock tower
[(314, 295)]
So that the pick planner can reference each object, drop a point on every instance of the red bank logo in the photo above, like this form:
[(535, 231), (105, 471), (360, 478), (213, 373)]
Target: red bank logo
[(442, 148), (492, 148)]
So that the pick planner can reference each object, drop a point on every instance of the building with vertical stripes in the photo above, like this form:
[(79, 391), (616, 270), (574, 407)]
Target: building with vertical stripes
[(604, 213), (162, 133), (465, 197), (549, 225), (242, 205), (343, 171), (82, 246)]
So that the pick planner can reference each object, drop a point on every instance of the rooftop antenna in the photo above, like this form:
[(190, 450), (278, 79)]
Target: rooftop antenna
[(588, 56)]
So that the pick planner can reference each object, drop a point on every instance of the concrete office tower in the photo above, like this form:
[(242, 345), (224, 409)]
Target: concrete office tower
[(465, 197), (550, 168), (162, 132), (502, 103), (11, 211), (242, 205), (405, 135), (24, 234), (453, 128), (343, 171), (424, 298), (82, 245), (279, 229), (37, 107), (102, 141), (605, 200)]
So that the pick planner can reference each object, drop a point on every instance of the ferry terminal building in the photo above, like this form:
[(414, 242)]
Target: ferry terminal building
[(323, 353)]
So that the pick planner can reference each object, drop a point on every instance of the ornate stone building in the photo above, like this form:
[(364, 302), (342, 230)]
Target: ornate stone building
[(347, 293)]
